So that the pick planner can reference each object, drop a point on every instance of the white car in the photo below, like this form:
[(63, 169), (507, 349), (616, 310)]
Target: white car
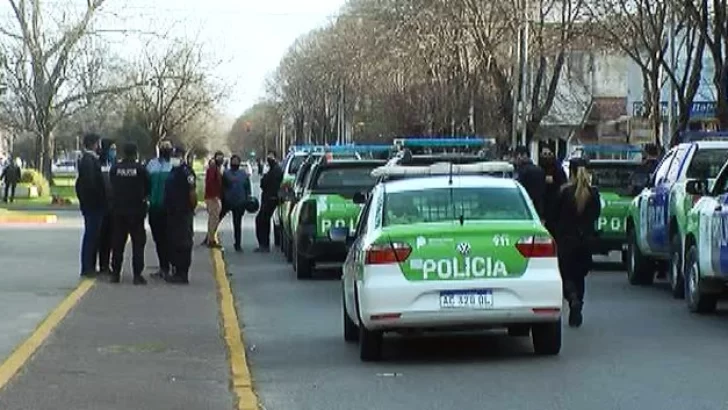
[(445, 252), (64, 168)]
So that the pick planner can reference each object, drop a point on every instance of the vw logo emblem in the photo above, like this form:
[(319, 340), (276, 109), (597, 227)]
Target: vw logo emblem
[(463, 248)]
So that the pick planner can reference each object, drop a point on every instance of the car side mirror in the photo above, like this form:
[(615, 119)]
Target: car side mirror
[(341, 235), (697, 187), (359, 198)]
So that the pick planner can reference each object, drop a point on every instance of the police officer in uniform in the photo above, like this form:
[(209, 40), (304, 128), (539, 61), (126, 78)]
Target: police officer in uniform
[(180, 200), (130, 186)]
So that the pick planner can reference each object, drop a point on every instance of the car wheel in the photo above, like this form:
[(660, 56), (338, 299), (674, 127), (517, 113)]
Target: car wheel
[(519, 330), (276, 235), (639, 269), (677, 281), (370, 344), (301, 264), (289, 250), (697, 301), (351, 330), (546, 338)]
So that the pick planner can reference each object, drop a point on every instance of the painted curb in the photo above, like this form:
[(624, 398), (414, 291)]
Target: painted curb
[(11, 218)]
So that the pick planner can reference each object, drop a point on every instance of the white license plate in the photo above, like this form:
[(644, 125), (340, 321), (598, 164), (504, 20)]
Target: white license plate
[(467, 299)]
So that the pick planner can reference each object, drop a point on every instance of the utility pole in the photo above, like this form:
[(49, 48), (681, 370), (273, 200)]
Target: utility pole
[(525, 73), (518, 79), (673, 65)]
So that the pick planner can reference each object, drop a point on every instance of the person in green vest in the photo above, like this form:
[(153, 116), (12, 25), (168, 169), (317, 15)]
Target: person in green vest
[(159, 169)]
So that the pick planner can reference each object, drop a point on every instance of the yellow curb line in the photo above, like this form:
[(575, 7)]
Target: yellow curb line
[(241, 383), (27, 219), (25, 351)]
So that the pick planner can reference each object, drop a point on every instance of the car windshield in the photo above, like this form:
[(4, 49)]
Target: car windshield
[(296, 162), (706, 163), (345, 177), (613, 176), (448, 204)]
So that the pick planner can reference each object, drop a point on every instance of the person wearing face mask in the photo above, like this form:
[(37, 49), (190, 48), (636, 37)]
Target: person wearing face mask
[(270, 184), (180, 200), (158, 170), (91, 193), (237, 191), (555, 178), (213, 198), (107, 159)]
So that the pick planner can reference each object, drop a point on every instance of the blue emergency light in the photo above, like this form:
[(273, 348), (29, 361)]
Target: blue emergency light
[(693, 136), (442, 142), (609, 148)]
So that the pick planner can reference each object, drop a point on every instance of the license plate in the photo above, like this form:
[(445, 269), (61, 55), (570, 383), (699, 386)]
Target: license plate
[(467, 299)]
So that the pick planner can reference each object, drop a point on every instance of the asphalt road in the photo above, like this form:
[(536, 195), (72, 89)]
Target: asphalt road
[(638, 349)]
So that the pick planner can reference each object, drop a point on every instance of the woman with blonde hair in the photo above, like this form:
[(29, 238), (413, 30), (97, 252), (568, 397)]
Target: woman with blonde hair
[(576, 212)]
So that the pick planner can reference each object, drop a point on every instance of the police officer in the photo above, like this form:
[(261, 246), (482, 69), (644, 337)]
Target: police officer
[(532, 178), (180, 200), (130, 186)]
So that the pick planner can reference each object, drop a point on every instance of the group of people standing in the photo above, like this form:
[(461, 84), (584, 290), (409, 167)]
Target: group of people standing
[(569, 208), (115, 198)]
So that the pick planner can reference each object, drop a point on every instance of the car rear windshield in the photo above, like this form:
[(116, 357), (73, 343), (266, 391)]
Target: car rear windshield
[(706, 163), (295, 164), (613, 176), (448, 204), (346, 178)]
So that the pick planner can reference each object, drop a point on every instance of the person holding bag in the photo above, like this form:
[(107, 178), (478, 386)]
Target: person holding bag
[(237, 192)]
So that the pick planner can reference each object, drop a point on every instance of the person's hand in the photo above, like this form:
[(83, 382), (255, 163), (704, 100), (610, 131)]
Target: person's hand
[(549, 179)]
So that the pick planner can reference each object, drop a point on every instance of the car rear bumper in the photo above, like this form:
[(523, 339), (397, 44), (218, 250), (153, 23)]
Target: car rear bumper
[(387, 301), (320, 249)]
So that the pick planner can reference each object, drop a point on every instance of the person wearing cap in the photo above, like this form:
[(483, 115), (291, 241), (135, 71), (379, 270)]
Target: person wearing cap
[(180, 200), (131, 188), (213, 198), (237, 192), (577, 210), (532, 177), (159, 169)]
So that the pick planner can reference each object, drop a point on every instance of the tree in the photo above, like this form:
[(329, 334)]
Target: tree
[(256, 129), (41, 71)]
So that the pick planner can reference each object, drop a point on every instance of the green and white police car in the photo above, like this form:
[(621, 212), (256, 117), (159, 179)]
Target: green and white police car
[(326, 202), (449, 250), (656, 225), (706, 243)]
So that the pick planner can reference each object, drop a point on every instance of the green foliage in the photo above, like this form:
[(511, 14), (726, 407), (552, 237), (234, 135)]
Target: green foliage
[(35, 178)]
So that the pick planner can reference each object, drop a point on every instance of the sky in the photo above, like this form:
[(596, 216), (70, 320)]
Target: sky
[(245, 38)]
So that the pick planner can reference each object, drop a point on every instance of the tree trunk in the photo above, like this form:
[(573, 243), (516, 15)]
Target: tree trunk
[(655, 104)]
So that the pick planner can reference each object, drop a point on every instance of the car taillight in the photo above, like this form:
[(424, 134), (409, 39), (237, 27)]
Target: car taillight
[(386, 254), (536, 247), (308, 213)]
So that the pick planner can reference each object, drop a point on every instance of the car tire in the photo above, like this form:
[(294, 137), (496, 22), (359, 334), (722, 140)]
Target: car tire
[(276, 235), (519, 331), (546, 338), (302, 265), (370, 344), (640, 270), (289, 251), (677, 279), (351, 330), (697, 301)]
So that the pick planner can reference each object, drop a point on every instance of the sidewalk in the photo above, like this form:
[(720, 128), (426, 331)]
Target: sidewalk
[(128, 347)]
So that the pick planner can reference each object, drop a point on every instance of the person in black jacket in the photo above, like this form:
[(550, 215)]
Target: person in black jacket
[(642, 175), (130, 184), (578, 209), (107, 159), (532, 177), (180, 201), (270, 184), (555, 178), (91, 194), (10, 177)]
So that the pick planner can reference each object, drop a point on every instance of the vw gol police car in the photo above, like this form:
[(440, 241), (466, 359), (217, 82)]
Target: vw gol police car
[(449, 251)]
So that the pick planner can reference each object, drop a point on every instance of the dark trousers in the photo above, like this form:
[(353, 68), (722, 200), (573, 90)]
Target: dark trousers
[(238, 211), (158, 223), (180, 232), (262, 222), (92, 220), (574, 264), (124, 227), (10, 189), (105, 242)]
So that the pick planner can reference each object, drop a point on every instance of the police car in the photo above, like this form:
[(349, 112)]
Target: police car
[(706, 243), (289, 198), (656, 225), (449, 249), (326, 202)]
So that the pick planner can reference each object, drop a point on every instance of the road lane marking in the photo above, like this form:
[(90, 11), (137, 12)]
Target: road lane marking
[(242, 384), (25, 351)]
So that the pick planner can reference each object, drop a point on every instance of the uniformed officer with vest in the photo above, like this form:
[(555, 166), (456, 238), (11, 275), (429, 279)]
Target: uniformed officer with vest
[(180, 200), (130, 186)]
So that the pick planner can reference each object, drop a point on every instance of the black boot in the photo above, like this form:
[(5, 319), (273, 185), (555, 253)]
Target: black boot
[(575, 316), (115, 277), (139, 280)]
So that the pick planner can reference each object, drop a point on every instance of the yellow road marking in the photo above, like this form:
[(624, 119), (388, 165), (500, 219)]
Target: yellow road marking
[(20, 356), (241, 382)]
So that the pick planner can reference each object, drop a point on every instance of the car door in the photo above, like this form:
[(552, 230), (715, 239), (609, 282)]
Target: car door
[(653, 213), (714, 229), (354, 259)]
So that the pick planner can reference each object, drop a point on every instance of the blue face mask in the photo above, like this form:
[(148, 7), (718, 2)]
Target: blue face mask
[(112, 155)]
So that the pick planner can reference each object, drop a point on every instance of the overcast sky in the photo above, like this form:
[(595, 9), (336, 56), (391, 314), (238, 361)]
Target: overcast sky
[(249, 37)]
